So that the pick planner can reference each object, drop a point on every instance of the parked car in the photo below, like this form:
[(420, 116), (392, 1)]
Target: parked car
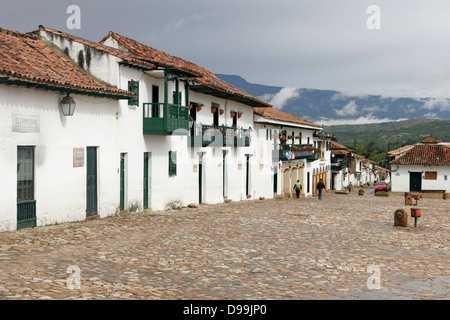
[(382, 186)]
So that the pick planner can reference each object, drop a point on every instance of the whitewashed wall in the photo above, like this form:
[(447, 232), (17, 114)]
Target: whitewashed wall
[(400, 178), (60, 188)]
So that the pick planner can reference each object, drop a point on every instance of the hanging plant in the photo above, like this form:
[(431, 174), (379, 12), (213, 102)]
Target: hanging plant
[(221, 111), (213, 109), (232, 113), (240, 114), (191, 106), (199, 107)]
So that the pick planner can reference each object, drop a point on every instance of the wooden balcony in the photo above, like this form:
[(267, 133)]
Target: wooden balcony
[(218, 136), (165, 119), (295, 151)]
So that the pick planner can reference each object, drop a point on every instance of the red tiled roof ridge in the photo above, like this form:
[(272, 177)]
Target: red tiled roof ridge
[(25, 58), (337, 146), (275, 114), (113, 51), (425, 154), (429, 140), (203, 76)]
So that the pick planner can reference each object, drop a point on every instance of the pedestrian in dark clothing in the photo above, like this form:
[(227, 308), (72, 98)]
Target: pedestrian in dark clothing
[(298, 187), (320, 187)]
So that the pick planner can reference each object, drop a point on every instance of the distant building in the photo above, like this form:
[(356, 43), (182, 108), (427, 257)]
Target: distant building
[(422, 167), (298, 148)]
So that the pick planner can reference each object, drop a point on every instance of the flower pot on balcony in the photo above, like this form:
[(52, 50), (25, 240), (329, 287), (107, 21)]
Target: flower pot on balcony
[(232, 114), (191, 106), (239, 114), (199, 108), (213, 109), (221, 111)]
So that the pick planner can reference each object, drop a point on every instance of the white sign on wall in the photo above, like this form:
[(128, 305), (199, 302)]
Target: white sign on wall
[(25, 123), (78, 157)]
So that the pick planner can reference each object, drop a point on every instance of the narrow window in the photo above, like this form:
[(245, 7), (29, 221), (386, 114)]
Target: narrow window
[(172, 163), (133, 86)]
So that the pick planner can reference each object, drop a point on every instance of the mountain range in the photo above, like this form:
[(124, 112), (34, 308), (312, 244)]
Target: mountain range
[(328, 107)]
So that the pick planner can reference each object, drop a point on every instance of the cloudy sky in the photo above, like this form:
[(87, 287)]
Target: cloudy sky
[(321, 44)]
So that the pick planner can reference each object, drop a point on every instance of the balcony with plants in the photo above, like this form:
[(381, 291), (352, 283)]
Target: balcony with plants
[(203, 135)]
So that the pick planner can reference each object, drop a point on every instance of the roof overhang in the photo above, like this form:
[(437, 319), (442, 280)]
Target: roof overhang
[(61, 88), (262, 120), (226, 95)]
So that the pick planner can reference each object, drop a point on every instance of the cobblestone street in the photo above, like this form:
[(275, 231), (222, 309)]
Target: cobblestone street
[(256, 249)]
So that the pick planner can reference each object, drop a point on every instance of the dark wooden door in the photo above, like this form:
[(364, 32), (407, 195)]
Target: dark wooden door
[(145, 180), (91, 181), (122, 181), (26, 205), (415, 181)]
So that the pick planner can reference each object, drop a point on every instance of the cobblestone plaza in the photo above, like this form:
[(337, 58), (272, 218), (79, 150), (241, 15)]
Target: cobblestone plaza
[(342, 247)]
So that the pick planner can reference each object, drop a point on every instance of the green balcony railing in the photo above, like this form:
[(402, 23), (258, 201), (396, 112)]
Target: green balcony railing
[(165, 119), (295, 151), (218, 136)]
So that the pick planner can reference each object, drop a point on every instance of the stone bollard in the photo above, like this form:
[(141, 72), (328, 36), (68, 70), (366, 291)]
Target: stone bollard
[(381, 194), (400, 218), (361, 192), (445, 196), (408, 199)]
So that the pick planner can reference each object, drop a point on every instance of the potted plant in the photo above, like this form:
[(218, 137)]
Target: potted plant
[(291, 137), (232, 113), (191, 106), (221, 111), (240, 114), (213, 109), (199, 107)]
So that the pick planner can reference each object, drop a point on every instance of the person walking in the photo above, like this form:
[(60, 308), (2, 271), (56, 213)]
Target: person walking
[(350, 187), (320, 187), (298, 188)]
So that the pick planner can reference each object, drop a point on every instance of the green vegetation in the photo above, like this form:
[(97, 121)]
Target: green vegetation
[(390, 135)]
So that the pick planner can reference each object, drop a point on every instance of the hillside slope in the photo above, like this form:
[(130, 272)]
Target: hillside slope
[(391, 135)]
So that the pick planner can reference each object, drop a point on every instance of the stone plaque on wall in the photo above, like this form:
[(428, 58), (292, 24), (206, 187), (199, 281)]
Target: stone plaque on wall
[(25, 123), (78, 157)]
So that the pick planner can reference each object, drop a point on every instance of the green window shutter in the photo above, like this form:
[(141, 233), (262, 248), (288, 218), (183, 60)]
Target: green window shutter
[(133, 86), (172, 163)]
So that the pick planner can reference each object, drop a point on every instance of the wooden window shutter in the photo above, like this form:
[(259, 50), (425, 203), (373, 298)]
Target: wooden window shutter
[(133, 86)]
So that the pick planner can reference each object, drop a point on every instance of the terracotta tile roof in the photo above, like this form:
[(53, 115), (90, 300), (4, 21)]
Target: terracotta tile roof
[(341, 152), (430, 140), (205, 80), (274, 114), (400, 150), (26, 60), (127, 57), (338, 146), (425, 155)]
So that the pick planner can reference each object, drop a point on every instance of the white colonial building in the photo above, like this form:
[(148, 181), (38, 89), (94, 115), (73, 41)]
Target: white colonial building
[(298, 148), (53, 167), (423, 167), (149, 131)]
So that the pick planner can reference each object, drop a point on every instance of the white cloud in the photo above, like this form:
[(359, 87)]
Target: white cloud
[(282, 97), (360, 120), (351, 109), (437, 104)]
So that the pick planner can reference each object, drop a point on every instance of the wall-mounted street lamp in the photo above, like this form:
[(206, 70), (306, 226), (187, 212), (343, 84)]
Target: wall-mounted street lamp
[(67, 105)]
